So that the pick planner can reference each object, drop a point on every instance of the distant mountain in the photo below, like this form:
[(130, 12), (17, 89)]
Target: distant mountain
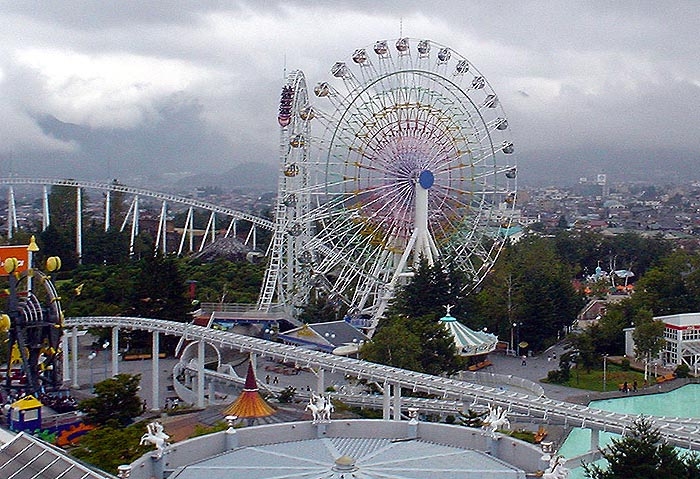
[(256, 176), (565, 167)]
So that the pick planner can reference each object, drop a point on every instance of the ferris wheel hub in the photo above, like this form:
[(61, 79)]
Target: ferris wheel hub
[(426, 179)]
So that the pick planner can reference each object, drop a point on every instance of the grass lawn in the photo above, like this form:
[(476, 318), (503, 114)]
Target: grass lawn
[(593, 380)]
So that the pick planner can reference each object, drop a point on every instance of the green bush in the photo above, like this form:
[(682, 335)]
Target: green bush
[(682, 371), (625, 364), (557, 376), (287, 394)]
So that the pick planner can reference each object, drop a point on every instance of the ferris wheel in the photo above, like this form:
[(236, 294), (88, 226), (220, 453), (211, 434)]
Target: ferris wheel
[(402, 155)]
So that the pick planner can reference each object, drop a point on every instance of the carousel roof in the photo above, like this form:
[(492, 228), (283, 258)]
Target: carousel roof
[(249, 404), (468, 341)]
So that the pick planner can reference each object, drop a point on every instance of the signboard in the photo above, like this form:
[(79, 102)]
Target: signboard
[(19, 252)]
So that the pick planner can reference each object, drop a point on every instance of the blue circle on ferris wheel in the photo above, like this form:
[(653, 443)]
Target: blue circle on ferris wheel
[(426, 179)]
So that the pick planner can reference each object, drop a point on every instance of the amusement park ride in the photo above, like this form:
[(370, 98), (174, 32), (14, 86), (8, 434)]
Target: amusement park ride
[(403, 155), (33, 320)]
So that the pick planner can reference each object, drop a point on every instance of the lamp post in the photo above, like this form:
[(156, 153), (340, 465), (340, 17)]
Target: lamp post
[(105, 345), (91, 356), (517, 326), (605, 372)]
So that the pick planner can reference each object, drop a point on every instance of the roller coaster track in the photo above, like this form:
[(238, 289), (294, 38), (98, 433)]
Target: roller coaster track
[(262, 222), (676, 433), (211, 207)]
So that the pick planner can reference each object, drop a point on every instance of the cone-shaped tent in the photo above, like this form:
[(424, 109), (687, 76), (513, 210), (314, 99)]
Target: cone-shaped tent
[(249, 404), (467, 341)]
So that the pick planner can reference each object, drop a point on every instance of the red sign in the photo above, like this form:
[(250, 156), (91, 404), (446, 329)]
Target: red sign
[(19, 252)]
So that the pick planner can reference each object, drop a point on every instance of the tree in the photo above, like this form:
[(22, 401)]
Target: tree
[(642, 454), (116, 399), (429, 291), (110, 446), (648, 338), (318, 310), (529, 285), (160, 290), (671, 287), (420, 344), (394, 345)]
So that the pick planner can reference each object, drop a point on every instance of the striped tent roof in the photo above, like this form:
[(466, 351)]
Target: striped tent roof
[(249, 404), (467, 341)]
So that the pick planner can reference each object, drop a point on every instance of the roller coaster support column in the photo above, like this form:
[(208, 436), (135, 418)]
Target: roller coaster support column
[(386, 402), (45, 216), (595, 439), (108, 209), (79, 224), (74, 356), (11, 213), (65, 365), (320, 381), (397, 402), (155, 350), (115, 351), (200, 374)]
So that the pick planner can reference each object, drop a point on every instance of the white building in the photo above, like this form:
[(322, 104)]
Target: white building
[(682, 335), (682, 340)]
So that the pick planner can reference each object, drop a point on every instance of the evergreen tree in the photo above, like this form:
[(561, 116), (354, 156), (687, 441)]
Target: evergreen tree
[(642, 454), (394, 345), (110, 446), (116, 399), (160, 290)]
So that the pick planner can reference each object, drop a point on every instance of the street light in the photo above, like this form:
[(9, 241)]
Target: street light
[(517, 326), (605, 372), (91, 356), (105, 345)]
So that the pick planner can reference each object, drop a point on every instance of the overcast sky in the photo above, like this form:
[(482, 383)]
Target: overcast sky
[(122, 88)]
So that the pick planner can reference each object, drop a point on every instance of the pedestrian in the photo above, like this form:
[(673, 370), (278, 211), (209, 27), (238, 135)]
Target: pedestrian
[(549, 358), (267, 379), (634, 386), (275, 380), (625, 387), (524, 362), (554, 356)]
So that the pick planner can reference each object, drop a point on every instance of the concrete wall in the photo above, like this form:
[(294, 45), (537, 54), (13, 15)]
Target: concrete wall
[(522, 455)]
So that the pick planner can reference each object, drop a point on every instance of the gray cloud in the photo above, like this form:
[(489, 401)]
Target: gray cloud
[(126, 86)]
